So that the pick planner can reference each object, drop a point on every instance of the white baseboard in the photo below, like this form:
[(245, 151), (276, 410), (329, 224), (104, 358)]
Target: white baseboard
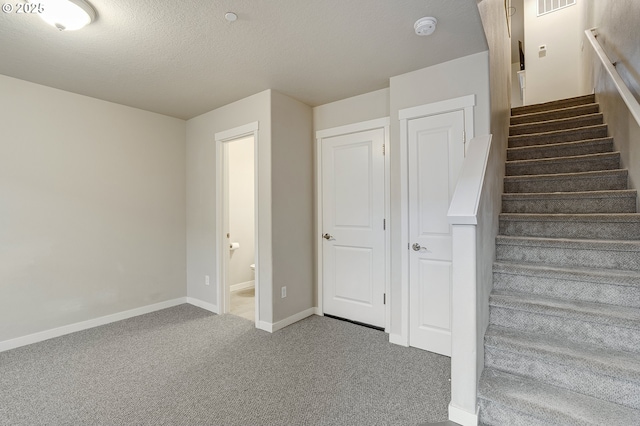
[(273, 327), (317, 311), (84, 325), (462, 417), (398, 339), (242, 286), (264, 326), (204, 305)]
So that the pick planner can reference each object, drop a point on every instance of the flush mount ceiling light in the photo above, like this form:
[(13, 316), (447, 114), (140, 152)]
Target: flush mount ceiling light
[(67, 15), (425, 26), (230, 16)]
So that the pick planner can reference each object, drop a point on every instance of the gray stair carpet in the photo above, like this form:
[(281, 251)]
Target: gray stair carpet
[(563, 342)]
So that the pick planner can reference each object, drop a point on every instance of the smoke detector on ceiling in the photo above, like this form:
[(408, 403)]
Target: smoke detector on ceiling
[(425, 26)]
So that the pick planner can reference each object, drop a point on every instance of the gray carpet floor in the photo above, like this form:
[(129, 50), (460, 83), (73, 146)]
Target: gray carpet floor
[(186, 366)]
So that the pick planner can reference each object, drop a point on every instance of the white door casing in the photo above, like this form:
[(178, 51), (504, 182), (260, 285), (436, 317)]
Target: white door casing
[(353, 253)]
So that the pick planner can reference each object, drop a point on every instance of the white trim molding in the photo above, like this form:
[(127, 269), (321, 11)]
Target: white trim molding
[(463, 417), (363, 126), (273, 327), (85, 325), (242, 286), (202, 304)]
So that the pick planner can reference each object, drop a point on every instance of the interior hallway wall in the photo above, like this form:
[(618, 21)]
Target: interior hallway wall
[(201, 195), (241, 210), (292, 186), (356, 109), (495, 27), (92, 213), (557, 74), (617, 24)]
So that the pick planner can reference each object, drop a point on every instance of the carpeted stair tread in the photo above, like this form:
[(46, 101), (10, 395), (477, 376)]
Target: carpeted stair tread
[(582, 284), (506, 399), (609, 374), (558, 136), (581, 147), (557, 104), (617, 201), (612, 315), (567, 164), (556, 124), (598, 276), (614, 226), (605, 362), (572, 111), (599, 180), (606, 254)]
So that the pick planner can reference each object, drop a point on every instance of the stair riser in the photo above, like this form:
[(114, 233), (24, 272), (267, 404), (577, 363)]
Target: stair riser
[(573, 135), (555, 115), (580, 290), (565, 375), (549, 106), (608, 182), (559, 256), (608, 162), (571, 229), (568, 205), (495, 414), (553, 151), (604, 335), (572, 123)]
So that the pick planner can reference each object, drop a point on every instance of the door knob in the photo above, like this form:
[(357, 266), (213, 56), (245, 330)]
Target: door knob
[(416, 247), (327, 237)]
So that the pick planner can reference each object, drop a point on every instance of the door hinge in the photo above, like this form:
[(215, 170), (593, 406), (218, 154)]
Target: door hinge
[(464, 137), (383, 150), (384, 224), (384, 298)]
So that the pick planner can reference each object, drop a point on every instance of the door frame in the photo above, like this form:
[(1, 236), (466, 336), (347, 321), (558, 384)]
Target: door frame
[(380, 123), (463, 103), (222, 247)]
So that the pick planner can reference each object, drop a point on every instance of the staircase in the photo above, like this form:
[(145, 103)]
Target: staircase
[(563, 343)]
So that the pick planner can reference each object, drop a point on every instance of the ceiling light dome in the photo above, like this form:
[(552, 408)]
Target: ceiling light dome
[(68, 15), (425, 26)]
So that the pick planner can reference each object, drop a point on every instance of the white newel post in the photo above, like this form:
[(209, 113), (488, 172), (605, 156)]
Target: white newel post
[(463, 217)]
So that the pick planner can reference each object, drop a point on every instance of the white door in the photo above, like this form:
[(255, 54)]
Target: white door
[(435, 154), (353, 251)]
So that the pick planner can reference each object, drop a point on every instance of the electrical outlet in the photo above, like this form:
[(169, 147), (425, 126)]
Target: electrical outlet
[(206, 280), (283, 290)]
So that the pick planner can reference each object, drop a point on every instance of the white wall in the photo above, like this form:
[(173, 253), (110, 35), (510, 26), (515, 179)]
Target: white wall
[(617, 24), (91, 208), (368, 106), (241, 210), (460, 77), (516, 99), (292, 205), (201, 195), (558, 74)]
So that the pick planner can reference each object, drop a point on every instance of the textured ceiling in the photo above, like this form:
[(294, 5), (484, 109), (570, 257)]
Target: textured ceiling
[(182, 58)]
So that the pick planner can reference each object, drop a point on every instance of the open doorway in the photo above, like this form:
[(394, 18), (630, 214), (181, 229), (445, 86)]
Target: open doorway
[(237, 224), (240, 208)]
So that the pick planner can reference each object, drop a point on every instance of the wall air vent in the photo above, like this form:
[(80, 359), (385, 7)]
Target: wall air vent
[(548, 6)]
